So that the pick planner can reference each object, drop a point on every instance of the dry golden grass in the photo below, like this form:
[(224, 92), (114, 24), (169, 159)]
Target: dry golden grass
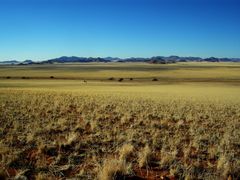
[(58, 129), (114, 169), (137, 71)]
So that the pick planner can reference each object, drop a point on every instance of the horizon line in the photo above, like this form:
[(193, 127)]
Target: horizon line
[(126, 57)]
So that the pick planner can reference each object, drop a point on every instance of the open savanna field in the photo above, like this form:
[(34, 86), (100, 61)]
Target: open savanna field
[(120, 121)]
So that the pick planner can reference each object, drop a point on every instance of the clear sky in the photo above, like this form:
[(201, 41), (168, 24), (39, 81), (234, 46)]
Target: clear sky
[(43, 29)]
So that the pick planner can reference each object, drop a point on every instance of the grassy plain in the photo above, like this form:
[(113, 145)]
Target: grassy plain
[(183, 126), (139, 71)]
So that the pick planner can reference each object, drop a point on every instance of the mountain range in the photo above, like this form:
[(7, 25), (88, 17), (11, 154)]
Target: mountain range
[(153, 60)]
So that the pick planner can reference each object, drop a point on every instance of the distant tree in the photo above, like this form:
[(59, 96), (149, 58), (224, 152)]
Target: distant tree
[(52, 77), (111, 78), (130, 79), (154, 79)]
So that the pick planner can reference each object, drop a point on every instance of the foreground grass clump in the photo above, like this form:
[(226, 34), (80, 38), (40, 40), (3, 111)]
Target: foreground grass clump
[(114, 169), (127, 134)]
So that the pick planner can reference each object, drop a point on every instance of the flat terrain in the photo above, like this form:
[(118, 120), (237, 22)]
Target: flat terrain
[(139, 71), (83, 121)]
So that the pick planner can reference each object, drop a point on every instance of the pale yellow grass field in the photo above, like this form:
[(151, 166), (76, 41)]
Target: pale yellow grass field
[(126, 70), (101, 129)]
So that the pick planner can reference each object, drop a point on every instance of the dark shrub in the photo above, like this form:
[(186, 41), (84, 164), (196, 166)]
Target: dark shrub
[(120, 79), (154, 79), (52, 77)]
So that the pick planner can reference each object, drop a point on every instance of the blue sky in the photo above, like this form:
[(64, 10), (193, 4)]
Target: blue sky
[(43, 29)]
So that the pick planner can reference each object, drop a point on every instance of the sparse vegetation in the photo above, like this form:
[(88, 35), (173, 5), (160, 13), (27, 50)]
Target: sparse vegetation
[(53, 129)]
